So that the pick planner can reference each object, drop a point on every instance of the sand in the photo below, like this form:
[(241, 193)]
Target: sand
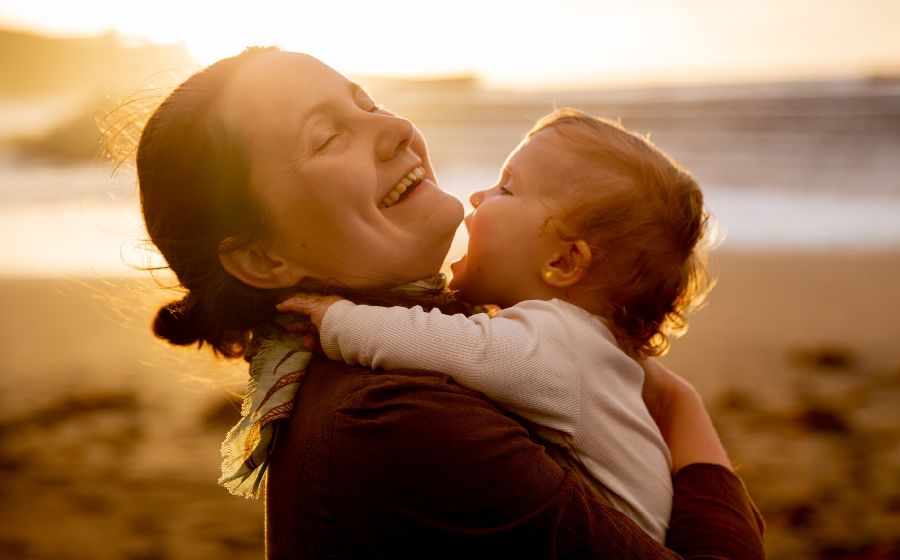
[(109, 439)]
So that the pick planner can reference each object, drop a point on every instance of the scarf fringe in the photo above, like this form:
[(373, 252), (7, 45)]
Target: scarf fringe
[(275, 375)]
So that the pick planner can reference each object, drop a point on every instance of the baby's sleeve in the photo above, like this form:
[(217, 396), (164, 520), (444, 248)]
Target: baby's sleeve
[(518, 359)]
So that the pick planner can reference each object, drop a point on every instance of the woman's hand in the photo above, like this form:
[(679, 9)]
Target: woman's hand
[(312, 305), (678, 410)]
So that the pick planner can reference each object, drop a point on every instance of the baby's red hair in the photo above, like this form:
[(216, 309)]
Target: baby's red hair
[(643, 217)]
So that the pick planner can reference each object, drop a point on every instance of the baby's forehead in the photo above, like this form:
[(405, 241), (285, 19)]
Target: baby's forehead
[(567, 146), (545, 153), (561, 163)]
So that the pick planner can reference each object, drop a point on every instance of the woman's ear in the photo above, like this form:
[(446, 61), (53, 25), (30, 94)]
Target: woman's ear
[(568, 267), (257, 266)]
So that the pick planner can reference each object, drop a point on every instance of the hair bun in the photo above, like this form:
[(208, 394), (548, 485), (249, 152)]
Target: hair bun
[(175, 323)]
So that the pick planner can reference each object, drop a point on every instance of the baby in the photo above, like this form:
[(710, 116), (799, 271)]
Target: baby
[(591, 242)]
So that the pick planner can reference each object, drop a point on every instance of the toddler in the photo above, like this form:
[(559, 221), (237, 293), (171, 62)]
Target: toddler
[(591, 242)]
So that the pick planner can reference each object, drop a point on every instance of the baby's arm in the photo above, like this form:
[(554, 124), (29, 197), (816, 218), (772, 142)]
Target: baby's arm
[(520, 359)]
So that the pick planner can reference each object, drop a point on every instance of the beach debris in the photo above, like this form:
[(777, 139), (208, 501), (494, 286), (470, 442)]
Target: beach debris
[(69, 407), (800, 515), (826, 356), (737, 400), (11, 547), (822, 420), (864, 551)]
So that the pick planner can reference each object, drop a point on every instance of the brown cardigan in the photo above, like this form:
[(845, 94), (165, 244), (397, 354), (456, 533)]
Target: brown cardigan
[(412, 465)]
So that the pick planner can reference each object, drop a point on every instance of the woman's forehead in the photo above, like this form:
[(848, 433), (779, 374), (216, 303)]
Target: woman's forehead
[(277, 90), (278, 65)]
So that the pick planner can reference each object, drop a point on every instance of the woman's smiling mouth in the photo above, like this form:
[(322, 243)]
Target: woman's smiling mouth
[(407, 183)]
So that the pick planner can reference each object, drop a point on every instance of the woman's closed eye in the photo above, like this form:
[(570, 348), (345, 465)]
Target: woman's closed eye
[(324, 145)]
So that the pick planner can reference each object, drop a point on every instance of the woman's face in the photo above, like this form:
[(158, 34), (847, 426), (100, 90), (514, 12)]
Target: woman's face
[(327, 163)]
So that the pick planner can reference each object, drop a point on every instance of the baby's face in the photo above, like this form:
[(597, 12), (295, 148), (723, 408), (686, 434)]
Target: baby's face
[(509, 240)]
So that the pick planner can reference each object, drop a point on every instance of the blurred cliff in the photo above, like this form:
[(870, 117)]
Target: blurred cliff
[(53, 89), (35, 65)]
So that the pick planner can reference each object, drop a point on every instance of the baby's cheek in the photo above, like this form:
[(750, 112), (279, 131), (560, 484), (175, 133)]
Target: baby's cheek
[(483, 233)]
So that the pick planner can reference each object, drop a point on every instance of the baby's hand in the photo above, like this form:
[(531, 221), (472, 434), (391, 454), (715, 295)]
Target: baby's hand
[(313, 305)]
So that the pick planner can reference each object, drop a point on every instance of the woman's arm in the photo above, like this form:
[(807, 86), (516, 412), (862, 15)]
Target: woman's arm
[(711, 509), (419, 463), (447, 467), (678, 410)]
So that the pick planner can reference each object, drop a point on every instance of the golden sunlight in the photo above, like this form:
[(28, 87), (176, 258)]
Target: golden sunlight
[(563, 43)]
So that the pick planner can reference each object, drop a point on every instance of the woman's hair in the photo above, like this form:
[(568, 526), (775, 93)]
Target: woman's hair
[(643, 217), (194, 178), (197, 200)]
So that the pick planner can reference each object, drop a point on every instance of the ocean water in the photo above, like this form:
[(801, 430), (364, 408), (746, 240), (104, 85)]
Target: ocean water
[(84, 220), (769, 217), (784, 167)]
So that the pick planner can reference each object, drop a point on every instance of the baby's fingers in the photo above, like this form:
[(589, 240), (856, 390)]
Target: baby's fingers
[(300, 303), (315, 306)]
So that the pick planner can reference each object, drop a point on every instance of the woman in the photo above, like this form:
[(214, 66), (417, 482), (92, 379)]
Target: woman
[(270, 171)]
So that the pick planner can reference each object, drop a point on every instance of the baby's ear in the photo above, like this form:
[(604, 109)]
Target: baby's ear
[(258, 266), (569, 266)]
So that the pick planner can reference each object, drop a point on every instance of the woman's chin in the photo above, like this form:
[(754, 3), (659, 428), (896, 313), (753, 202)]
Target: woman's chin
[(429, 209)]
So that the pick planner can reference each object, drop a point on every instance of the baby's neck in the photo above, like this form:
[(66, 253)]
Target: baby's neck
[(587, 300)]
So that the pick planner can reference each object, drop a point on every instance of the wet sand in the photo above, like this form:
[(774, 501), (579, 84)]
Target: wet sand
[(109, 439)]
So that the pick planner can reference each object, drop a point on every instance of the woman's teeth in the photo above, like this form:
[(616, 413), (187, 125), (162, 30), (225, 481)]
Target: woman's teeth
[(411, 178)]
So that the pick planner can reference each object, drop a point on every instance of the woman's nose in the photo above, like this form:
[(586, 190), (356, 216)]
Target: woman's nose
[(394, 135), (475, 198)]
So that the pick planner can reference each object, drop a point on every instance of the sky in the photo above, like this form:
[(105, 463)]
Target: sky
[(524, 42)]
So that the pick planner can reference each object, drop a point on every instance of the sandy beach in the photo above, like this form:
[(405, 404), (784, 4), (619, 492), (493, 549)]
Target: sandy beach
[(109, 439)]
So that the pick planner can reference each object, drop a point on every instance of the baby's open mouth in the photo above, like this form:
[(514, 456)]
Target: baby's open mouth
[(403, 187)]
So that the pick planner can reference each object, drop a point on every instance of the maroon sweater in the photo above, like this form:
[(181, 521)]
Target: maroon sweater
[(412, 465)]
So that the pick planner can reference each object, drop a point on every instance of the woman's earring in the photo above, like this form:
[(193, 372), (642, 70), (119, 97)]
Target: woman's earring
[(548, 275)]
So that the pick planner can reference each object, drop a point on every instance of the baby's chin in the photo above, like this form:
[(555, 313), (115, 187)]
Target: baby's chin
[(464, 291), (467, 286), (457, 275)]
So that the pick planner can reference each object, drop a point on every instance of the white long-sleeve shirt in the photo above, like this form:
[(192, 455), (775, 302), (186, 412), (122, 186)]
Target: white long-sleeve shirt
[(550, 362)]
